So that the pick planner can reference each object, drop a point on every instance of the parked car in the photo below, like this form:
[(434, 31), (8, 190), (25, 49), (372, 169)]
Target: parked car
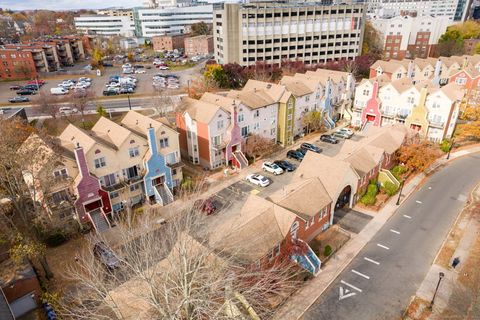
[(294, 154), (106, 256), (207, 206), (40, 82), (285, 165), (58, 91), (24, 92), (30, 87), (258, 180), (110, 92), (328, 138), (15, 88), (341, 135), (18, 99), (67, 110), (310, 147), (272, 168), (140, 71), (163, 68), (346, 130)]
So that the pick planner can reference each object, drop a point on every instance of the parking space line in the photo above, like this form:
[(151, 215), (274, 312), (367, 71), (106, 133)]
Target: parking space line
[(408, 217), (382, 246), (418, 201), (360, 274), (350, 285), (371, 260), (395, 231)]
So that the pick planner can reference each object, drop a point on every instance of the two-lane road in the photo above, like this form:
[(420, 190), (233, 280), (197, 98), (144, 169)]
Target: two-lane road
[(379, 282)]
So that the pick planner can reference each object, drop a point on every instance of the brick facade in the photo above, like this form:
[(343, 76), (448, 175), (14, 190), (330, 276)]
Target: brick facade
[(168, 43), (16, 64), (199, 45)]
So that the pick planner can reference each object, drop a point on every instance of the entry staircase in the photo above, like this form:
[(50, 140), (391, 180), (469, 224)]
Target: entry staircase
[(163, 194), (99, 220), (241, 159), (329, 123), (367, 124), (308, 261)]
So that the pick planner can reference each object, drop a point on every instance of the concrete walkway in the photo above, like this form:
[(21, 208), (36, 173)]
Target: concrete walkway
[(295, 307)]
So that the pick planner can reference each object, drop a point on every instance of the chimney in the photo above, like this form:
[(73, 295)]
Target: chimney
[(410, 69), (436, 73), (423, 97), (375, 90), (465, 62), (81, 161), (152, 141)]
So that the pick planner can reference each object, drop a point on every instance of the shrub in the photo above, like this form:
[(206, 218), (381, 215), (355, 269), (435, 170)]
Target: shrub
[(327, 251), (55, 239), (372, 190), (398, 171), (445, 145), (368, 200), (390, 188)]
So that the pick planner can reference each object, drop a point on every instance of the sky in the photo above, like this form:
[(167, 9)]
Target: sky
[(67, 4)]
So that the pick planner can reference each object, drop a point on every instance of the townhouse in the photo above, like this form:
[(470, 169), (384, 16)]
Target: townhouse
[(111, 168), (209, 133), (469, 79), (379, 102)]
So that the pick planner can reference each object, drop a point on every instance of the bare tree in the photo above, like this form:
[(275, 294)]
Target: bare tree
[(172, 272), (81, 100), (164, 103), (257, 146), (48, 104), (312, 121)]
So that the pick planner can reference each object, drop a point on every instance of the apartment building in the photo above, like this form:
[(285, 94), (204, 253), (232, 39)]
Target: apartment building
[(170, 20), (469, 79), (105, 25), (452, 9), (312, 33), (116, 13), (16, 64), (209, 132), (168, 42), (410, 37), (199, 46), (430, 110)]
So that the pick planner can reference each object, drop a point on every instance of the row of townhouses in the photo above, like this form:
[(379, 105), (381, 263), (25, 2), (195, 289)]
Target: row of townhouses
[(107, 169), (214, 129), (463, 70)]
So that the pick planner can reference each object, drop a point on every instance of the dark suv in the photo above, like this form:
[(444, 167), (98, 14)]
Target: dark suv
[(310, 147), (328, 138), (294, 154)]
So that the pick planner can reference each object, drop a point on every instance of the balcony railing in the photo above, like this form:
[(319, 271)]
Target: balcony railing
[(114, 187), (133, 179), (436, 124), (357, 108), (401, 116), (177, 164), (388, 114)]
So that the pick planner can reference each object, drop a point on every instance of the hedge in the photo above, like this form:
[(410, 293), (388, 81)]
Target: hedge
[(390, 188)]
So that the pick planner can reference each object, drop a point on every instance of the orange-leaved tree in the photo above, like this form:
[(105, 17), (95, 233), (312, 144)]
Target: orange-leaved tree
[(418, 155)]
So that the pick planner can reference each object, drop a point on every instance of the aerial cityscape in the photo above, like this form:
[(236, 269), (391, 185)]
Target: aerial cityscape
[(226, 159)]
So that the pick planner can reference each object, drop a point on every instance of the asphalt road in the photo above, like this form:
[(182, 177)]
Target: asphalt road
[(379, 282)]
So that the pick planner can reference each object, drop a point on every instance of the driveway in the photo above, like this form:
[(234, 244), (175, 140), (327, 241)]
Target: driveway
[(351, 220)]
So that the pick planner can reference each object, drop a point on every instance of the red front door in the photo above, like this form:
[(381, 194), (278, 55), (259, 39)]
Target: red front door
[(416, 127), (370, 118)]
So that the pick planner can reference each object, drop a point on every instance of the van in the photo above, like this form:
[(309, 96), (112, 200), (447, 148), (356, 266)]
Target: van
[(58, 91), (67, 110)]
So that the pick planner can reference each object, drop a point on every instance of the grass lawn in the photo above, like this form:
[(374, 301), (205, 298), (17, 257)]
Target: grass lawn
[(180, 67), (56, 126)]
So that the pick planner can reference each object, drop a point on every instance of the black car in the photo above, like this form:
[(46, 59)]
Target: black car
[(106, 256), (15, 88), (285, 165), (18, 99), (24, 92), (294, 154), (30, 87), (328, 138), (110, 92), (310, 147)]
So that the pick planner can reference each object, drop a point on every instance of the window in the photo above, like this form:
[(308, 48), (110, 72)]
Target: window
[(256, 126), (163, 143), (309, 223), (461, 81), (220, 124), (240, 117), (366, 92), (60, 196), (256, 114), (60, 173), (133, 152), (131, 172), (217, 140), (245, 131), (108, 180), (411, 100), (134, 187), (307, 98), (100, 163), (276, 250)]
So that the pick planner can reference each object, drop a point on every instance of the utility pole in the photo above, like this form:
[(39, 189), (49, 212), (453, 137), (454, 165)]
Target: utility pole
[(440, 277), (129, 104), (400, 193)]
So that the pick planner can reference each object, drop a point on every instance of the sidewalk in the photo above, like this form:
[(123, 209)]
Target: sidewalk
[(295, 307)]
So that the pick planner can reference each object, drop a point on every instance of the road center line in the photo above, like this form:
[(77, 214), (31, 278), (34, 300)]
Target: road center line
[(408, 217), (360, 274), (382, 246), (372, 261), (418, 201), (395, 231), (351, 286)]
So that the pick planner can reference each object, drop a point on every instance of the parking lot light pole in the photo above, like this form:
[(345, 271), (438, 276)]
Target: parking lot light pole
[(450, 149), (129, 104), (400, 193), (440, 277)]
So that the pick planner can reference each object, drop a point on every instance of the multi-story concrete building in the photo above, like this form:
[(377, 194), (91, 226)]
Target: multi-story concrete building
[(199, 45), (16, 64), (247, 33), (116, 13), (151, 22), (105, 25), (452, 9), (410, 37), (168, 42)]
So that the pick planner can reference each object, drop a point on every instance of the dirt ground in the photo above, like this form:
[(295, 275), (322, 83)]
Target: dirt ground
[(334, 237)]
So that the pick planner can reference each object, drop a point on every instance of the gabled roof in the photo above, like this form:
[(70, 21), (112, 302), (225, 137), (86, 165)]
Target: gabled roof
[(111, 131), (275, 91), (329, 170), (305, 198), (73, 135), (225, 102), (388, 66), (139, 124), (295, 86), (423, 63), (335, 75), (201, 111), (402, 85), (361, 160), (260, 226), (253, 99), (382, 80), (453, 91)]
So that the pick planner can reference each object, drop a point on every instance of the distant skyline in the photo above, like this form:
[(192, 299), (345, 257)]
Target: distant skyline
[(67, 4)]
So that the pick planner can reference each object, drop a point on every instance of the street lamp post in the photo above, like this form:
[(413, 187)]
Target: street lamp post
[(400, 193), (129, 104), (440, 277), (450, 149)]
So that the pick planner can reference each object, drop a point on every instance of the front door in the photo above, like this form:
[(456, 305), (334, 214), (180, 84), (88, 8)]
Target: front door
[(158, 181), (416, 127), (370, 118)]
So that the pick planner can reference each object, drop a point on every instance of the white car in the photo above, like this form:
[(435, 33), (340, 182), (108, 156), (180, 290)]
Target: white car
[(346, 131), (127, 66), (140, 71), (272, 168), (163, 68), (67, 110), (258, 180), (83, 79)]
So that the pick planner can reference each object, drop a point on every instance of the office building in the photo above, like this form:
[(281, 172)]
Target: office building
[(410, 37), (168, 43), (247, 33), (199, 45), (151, 22), (116, 13), (105, 25)]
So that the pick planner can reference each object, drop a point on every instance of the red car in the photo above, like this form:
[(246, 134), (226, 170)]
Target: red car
[(39, 81), (207, 206)]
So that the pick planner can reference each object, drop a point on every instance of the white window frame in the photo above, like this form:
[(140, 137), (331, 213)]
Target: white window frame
[(134, 152), (100, 162)]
